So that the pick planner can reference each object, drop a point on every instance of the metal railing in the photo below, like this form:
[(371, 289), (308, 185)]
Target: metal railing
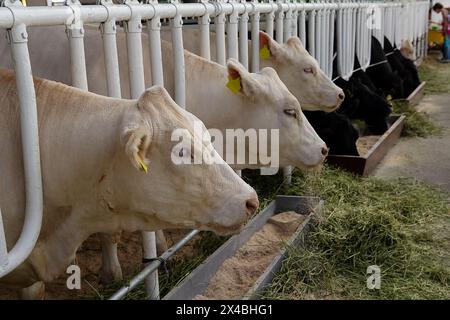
[(328, 29)]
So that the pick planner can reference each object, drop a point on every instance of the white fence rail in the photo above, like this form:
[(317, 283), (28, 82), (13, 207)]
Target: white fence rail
[(328, 28)]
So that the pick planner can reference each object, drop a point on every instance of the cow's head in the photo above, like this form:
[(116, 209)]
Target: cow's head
[(161, 190), (301, 74), (266, 103), (407, 50)]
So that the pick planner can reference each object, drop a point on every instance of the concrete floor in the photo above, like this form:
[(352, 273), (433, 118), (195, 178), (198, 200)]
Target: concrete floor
[(427, 159)]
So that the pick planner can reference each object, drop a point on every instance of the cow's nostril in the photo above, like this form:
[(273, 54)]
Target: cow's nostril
[(251, 206), (341, 96), (324, 151)]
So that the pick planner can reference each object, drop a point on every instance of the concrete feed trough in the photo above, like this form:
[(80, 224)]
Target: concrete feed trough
[(198, 281)]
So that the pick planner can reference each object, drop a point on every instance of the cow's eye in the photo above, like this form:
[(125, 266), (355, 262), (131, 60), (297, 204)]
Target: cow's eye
[(308, 70), (291, 112)]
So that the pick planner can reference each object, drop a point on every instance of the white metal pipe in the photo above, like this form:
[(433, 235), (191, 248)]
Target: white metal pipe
[(232, 36), (219, 24), (254, 18), (154, 27), (302, 27), (30, 149), (243, 40), (279, 16), (133, 31), (205, 49), (294, 24), (311, 33), (58, 15), (269, 23), (108, 31), (178, 61), (331, 44), (77, 58), (287, 25)]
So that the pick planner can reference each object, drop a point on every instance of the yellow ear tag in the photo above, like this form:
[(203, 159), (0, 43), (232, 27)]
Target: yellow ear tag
[(264, 53), (389, 98), (144, 167), (234, 84)]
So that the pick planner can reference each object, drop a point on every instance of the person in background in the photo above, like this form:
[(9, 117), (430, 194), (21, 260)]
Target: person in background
[(439, 8)]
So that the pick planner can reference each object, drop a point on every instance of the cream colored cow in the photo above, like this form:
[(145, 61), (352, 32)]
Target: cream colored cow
[(107, 165), (298, 70)]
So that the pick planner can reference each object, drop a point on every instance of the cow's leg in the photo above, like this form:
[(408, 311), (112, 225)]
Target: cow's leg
[(161, 243), (34, 292), (111, 270)]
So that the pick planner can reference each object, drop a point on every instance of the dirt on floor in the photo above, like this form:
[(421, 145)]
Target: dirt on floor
[(89, 260)]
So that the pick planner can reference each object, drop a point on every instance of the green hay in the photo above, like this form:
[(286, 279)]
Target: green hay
[(368, 221), (435, 74), (417, 124)]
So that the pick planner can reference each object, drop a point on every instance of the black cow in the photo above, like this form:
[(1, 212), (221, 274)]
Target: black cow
[(336, 130), (364, 104), (381, 73), (404, 67)]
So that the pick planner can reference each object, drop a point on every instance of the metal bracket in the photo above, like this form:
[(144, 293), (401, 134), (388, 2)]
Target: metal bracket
[(18, 33), (134, 25), (75, 27), (109, 26)]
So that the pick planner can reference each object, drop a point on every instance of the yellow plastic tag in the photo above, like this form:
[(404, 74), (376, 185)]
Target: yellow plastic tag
[(234, 84), (389, 98), (144, 167), (264, 53)]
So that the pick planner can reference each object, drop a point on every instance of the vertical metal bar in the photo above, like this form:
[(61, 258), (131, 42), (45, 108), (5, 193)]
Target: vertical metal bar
[(331, 44), (205, 50), (311, 33), (255, 41), (219, 23), (232, 35), (154, 27), (302, 27), (243, 39), (178, 61), (77, 58), (287, 25), (269, 23), (279, 17), (108, 31), (133, 30), (294, 24), (18, 38)]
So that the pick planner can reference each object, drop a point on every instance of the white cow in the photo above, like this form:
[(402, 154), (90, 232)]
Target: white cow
[(264, 102), (94, 151), (298, 70)]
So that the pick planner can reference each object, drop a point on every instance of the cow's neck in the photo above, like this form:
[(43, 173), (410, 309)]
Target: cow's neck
[(206, 92), (79, 139)]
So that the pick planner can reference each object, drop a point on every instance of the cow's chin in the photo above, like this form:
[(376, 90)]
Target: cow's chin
[(310, 168), (320, 107), (223, 231)]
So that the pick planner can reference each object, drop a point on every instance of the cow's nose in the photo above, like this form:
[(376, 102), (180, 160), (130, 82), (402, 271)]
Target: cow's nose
[(341, 96), (251, 205), (324, 151)]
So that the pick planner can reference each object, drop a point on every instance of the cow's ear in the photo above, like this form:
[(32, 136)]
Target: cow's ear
[(137, 140), (267, 41), (240, 80), (296, 43)]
